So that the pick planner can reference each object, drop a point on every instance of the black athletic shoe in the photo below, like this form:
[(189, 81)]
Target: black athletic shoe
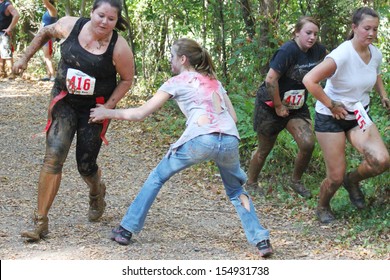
[(265, 248), (121, 235)]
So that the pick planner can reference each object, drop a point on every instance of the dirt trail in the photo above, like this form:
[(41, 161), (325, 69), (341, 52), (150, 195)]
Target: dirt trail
[(191, 219)]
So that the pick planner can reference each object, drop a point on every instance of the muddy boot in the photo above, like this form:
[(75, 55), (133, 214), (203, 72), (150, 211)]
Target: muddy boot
[(97, 192), (325, 215), (300, 189), (355, 193), (41, 228), (97, 205), (324, 212)]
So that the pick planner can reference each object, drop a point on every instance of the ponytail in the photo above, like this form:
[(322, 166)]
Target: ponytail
[(198, 57)]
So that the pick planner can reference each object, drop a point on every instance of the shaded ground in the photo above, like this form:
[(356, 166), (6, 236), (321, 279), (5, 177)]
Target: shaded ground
[(191, 219)]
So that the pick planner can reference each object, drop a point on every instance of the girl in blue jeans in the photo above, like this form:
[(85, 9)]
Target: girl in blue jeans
[(210, 134)]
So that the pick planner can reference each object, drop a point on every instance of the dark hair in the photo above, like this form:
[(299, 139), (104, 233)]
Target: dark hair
[(198, 57), (301, 22), (53, 2), (121, 24), (358, 16)]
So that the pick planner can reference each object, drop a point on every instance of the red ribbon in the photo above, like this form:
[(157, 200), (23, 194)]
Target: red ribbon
[(100, 100), (52, 103)]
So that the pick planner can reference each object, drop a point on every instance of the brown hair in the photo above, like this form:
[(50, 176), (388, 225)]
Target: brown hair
[(198, 57), (301, 22), (358, 16), (121, 24)]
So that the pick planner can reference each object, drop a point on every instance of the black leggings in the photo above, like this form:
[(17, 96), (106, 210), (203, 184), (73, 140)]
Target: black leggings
[(66, 121)]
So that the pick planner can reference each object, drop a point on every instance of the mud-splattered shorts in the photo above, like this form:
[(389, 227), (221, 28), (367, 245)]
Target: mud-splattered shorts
[(326, 123), (267, 122)]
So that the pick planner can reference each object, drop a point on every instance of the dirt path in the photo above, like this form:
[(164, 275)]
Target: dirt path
[(191, 219)]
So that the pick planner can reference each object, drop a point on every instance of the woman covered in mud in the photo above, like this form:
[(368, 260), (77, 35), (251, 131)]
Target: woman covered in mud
[(211, 134), (92, 54), (281, 102), (351, 71)]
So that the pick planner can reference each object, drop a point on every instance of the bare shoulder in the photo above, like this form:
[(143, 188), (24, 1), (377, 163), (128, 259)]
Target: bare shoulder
[(121, 46), (122, 42), (65, 25)]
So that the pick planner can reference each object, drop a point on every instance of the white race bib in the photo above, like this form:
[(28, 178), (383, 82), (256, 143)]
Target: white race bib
[(294, 99), (77, 82), (361, 115)]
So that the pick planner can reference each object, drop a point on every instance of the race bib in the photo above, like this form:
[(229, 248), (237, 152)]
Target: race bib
[(362, 117), (294, 99), (77, 82)]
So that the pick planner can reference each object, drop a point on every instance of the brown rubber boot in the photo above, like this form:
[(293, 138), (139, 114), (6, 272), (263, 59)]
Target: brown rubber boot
[(48, 186), (41, 228)]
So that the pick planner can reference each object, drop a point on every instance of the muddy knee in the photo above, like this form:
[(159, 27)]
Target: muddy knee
[(52, 166)]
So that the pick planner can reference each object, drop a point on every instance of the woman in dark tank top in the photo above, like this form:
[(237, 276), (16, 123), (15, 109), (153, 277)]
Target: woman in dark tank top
[(92, 54)]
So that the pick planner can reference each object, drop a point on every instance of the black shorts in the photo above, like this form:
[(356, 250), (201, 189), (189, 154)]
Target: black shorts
[(326, 123), (267, 122)]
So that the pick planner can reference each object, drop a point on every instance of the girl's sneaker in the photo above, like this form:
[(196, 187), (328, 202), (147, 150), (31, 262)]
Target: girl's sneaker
[(265, 248), (121, 235)]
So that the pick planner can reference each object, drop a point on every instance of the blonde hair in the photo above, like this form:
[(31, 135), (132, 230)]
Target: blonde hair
[(198, 57)]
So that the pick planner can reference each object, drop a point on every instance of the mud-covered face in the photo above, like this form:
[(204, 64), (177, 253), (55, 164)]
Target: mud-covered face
[(104, 18)]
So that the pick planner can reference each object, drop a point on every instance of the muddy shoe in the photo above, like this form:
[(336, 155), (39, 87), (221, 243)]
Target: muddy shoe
[(40, 231), (300, 189), (97, 205), (325, 215), (355, 193)]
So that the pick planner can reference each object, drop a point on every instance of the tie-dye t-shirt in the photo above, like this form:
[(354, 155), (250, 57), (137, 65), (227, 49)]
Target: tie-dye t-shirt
[(200, 98)]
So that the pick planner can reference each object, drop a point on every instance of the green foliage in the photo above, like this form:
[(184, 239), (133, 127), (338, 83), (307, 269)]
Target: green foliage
[(157, 23)]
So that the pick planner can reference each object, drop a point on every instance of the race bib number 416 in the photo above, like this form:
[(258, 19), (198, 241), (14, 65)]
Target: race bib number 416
[(294, 99), (77, 82)]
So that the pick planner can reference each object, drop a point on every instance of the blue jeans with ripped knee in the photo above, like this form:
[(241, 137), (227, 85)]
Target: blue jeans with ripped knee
[(221, 148)]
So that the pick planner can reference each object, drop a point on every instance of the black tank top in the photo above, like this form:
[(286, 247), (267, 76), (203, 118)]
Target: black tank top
[(5, 20), (100, 67)]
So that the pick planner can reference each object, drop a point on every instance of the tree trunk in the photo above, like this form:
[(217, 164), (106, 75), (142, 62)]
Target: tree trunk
[(267, 12), (161, 47), (248, 19), (219, 31), (204, 23), (68, 9), (130, 37), (82, 8)]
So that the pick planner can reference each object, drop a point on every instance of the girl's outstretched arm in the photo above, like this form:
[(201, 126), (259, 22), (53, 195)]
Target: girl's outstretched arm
[(131, 114)]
